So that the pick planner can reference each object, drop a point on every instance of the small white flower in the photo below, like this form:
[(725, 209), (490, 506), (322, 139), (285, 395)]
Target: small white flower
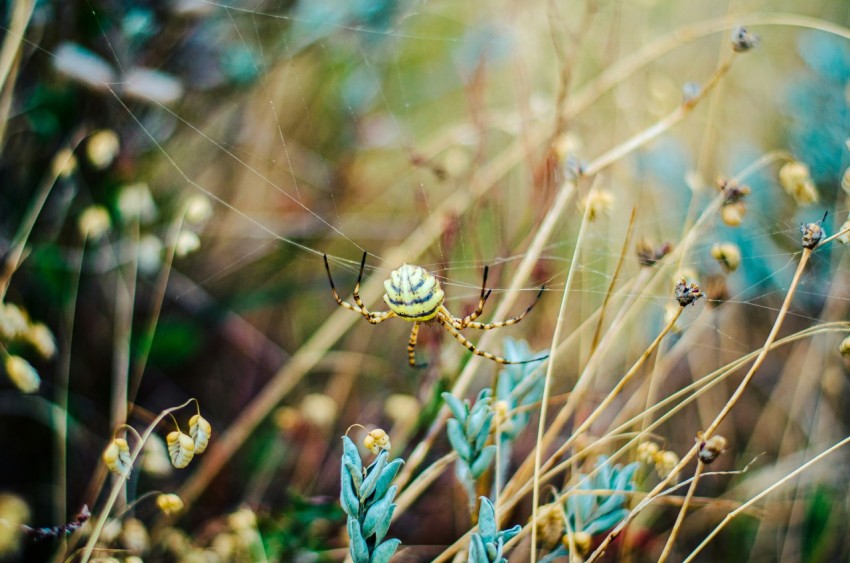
[(150, 253), (102, 148), (22, 374), (187, 242), (136, 200), (198, 209), (13, 321), (41, 338), (94, 221)]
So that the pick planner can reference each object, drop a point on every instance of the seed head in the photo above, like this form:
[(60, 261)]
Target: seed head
[(812, 233), (687, 295), (743, 40), (796, 180), (711, 448), (22, 374), (728, 254), (377, 440)]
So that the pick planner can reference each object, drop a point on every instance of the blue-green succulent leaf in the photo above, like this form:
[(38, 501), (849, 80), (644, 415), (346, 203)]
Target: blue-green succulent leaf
[(351, 453), (385, 551), (457, 438), (605, 521), (356, 473), (459, 409), (387, 475), (376, 513), (371, 480), (507, 535), (347, 495), (384, 525), (482, 463), (484, 432), (357, 543), (477, 552), (487, 520)]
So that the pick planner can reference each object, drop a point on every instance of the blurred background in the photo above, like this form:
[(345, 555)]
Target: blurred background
[(173, 171)]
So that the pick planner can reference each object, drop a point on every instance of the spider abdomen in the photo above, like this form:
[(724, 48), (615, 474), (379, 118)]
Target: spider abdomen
[(413, 293)]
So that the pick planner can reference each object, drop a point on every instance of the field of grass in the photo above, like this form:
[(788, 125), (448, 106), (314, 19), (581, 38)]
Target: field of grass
[(658, 190)]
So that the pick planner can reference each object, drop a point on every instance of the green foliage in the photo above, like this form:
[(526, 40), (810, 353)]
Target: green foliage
[(468, 432), (367, 498), (594, 514), (486, 545), (303, 526)]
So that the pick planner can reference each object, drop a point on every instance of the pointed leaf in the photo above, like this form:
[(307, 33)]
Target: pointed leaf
[(459, 409), (376, 513), (487, 520), (457, 438), (356, 474), (484, 432), (351, 453), (384, 525), (477, 552), (347, 495), (606, 521), (385, 551), (357, 545), (507, 535), (371, 479), (387, 475), (485, 458), (493, 552)]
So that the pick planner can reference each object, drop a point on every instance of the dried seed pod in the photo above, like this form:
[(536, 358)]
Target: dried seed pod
[(181, 448), (377, 440), (646, 452), (844, 347), (711, 448), (116, 456), (581, 541), (728, 254), (743, 40), (812, 234), (687, 295), (200, 430), (732, 214), (732, 191), (648, 254), (665, 462)]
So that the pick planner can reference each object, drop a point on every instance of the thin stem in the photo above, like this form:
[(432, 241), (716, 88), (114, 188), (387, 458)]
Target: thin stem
[(729, 517), (682, 511), (804, 258), (547, 381), (118, 486)]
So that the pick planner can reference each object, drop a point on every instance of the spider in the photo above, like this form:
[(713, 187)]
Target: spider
[(415, 295)]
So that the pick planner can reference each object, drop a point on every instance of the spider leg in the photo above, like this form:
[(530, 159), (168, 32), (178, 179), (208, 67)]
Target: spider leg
[(411, 347), (449, 325), (513, 321), (373, 318), (485, 293)]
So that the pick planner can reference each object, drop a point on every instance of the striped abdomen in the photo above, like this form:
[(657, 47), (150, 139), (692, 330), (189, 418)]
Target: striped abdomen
[(413, 294)]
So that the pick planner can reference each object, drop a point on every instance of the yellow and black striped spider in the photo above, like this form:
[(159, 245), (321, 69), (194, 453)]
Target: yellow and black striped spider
[(415, 295)]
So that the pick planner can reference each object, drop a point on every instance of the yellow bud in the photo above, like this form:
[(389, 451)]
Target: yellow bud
[(377, 440), (181, 448), (728, 254), (169, 503), (200, 430), (22, 374), (795, 179), (116, 456), (733, 213)]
